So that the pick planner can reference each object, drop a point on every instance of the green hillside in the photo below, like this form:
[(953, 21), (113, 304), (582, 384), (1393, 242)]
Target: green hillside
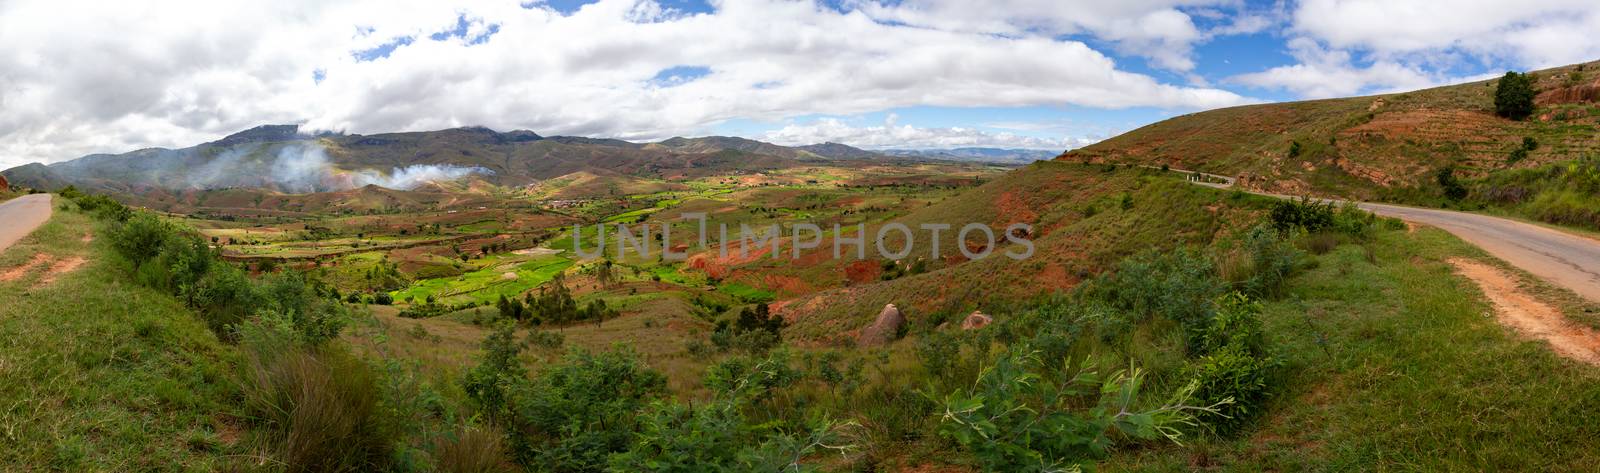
[(1363, 147)]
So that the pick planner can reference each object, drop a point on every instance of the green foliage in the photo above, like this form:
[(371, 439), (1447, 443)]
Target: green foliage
[(544, 339), (1178, 286), (497, 368), (1294, 149), (574, 414), (1453, 189), (1015, 419), (1513, 97), (753, 331), (1272, 260), (1303, 214)]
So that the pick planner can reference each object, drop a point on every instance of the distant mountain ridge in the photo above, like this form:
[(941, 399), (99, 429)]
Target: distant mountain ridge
[(284, 158), (990, 155)]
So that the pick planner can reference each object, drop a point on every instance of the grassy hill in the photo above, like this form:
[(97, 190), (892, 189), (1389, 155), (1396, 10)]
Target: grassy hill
[(1084, 218), (1364, 146)]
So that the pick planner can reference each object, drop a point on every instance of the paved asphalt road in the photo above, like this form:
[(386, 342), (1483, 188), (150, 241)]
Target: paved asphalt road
[(1562, 258), (19, 216)]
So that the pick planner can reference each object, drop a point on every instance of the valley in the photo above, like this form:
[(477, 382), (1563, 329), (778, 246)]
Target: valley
[(443, 301)]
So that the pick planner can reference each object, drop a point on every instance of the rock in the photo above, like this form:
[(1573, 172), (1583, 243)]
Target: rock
[(976, 321), (509, 276), (883, 330)]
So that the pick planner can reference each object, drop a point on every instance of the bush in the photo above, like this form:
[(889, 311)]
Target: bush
[(498, 367), (1014, 419), (1302, 214), (1178, 286), (576, 413), (382, 298), (1272, 262), (141, 238), (1513, 96), (753, 331), (1452, 187), (1234, 371)]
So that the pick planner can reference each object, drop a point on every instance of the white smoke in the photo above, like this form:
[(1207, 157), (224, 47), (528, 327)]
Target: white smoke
[(410, 177), (305, 167)]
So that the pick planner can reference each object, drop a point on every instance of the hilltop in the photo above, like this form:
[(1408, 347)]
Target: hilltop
[(282, 158), (1362, 147)]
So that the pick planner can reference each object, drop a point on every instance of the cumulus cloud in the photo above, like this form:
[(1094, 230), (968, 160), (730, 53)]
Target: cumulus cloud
[(1530, 33), (1322, 73), (78, 76), (1154, 29), (891, 135), (1345, 47)]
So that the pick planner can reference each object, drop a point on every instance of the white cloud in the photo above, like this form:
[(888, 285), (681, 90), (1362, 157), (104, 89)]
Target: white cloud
[(891, 135), (1323, 73), (78, 76), (1345, 47), (1154, 29), (1527, 33)]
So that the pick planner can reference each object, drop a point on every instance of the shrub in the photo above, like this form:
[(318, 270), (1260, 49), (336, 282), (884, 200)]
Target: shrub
[(1178, 286), (1236, 363), (497, 367), (753, 378), (1513, 96), (1302, 214), (544, 339), (753, 331), (577, 412), (382, 298), (1452, 187), (1272, 261), (1013, 419), (225, 297), (141, 238)]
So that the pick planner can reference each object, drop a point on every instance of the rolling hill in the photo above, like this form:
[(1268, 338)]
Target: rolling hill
[(1362, 146)]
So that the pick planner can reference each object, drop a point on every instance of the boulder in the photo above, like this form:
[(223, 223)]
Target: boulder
[(976, 321), (883, 330)]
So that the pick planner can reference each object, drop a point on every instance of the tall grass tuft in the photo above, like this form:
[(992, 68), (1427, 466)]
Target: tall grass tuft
[(471, 449), (320, 406)]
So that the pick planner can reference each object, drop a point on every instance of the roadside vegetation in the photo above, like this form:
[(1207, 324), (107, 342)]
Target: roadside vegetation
[(1290, 318)]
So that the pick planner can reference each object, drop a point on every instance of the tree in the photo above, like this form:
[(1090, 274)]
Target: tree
[(1513, 97), (1453, 189)]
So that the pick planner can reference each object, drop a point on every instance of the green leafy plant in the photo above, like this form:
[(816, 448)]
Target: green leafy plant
[(1014, 419)]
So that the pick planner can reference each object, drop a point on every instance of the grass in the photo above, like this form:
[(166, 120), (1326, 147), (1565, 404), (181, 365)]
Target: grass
[(488, 283), (101, 374), (1394, 365)]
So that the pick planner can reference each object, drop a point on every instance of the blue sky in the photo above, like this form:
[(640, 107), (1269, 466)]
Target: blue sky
[(87, 77)]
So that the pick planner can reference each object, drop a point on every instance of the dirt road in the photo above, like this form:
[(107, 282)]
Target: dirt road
[(19, 216)]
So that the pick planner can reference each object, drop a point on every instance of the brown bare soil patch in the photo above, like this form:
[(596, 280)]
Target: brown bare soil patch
[(863, 271), (60, 267), (15, 273), (1530, 317)]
